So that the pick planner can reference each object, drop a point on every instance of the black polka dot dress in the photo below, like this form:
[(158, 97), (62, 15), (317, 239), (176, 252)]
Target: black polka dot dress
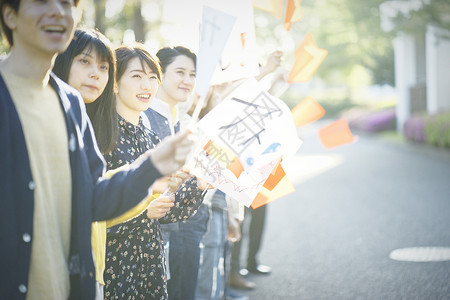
[(135, 260)]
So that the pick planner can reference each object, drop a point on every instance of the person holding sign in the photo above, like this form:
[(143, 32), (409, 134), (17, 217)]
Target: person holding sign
[(183, 241), (223, 229), (88, 65), (135, 259), (257, 216), (51, 179)]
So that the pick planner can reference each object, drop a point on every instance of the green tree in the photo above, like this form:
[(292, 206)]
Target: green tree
[(350, 31), (100, 15), (139, 24), (434, 12)]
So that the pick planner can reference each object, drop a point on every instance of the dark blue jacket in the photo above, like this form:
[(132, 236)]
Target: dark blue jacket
[(93, 199), (159, 124)]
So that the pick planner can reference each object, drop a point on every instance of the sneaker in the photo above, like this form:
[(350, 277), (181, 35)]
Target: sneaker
[(259, 269), (237, 281)]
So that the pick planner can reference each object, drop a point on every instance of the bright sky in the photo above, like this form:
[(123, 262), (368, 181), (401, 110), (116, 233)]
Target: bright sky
[(113, 7), (181, 20)]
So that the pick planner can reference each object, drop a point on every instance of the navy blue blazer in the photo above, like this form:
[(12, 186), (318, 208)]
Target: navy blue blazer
[(93, 198), (159, 124)]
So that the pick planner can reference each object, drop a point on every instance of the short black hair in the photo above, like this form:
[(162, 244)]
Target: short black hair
[(14, 4), (167, 55)]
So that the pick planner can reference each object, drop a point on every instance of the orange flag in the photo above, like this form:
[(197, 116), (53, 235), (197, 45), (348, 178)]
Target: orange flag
[(293, 13), (274, 177), (207, 147), (308, 57), (276, 186), (336, 134), (274, 7), (236, 167), (307, 111)]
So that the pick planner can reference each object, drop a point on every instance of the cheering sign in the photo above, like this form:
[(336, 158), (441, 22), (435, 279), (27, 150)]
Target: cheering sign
[(245, 138)]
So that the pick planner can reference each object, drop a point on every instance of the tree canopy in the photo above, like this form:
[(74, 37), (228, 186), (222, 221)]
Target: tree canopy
[(349, 29)]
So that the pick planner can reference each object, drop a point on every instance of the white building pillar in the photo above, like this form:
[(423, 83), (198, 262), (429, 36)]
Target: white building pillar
[(438, 70), (405, 75)]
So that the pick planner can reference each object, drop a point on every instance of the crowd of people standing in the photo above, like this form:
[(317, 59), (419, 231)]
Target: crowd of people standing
[(97, 203)]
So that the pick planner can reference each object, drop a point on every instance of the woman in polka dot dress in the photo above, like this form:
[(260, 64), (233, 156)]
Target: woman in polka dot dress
[(135, 261)]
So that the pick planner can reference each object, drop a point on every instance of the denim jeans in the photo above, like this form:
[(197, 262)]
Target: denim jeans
[(184, 256), (211, 277)]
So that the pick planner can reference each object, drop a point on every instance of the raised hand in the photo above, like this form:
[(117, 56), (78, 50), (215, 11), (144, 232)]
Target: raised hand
[(159, 207), (183, 174), (272, 63), (171, 154)]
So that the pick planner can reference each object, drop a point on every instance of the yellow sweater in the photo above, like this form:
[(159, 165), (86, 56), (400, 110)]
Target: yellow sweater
[(98, 237), (45, 132)]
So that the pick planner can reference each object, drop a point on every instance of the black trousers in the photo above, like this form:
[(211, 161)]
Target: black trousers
[(255, 232)]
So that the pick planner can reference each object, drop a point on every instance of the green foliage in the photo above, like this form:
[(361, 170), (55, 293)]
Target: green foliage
[(334, 109), (128, 17), (333, 101), (350, 31), (438, 130), (431, 129), (435, 12)]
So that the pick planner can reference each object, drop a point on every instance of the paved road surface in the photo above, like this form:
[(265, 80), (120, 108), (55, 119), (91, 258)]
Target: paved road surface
[(353, 205)]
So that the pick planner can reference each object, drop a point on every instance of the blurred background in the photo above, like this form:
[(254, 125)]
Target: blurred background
[(387, 73), (388, 62)]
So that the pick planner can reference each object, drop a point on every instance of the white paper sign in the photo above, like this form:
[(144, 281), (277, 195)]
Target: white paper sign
[(245, 137), (215, 29), (239, 59)]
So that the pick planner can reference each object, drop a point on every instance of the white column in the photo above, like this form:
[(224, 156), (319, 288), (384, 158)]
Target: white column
[(438, 70), (405, 75)]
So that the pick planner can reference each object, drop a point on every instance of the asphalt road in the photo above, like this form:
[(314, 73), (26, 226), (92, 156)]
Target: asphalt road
[(353, 205)]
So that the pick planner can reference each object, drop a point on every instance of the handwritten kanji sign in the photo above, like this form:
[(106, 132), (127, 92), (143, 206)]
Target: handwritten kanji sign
[(245, 137)]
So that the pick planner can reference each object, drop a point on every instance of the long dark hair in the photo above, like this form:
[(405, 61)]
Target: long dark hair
[(167, 55), (102, 111), (125, 53)]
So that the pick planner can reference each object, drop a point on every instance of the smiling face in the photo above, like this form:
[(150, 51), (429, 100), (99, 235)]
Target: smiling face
[(88, 74), (179, 80), (41, 27), (136, 89)]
